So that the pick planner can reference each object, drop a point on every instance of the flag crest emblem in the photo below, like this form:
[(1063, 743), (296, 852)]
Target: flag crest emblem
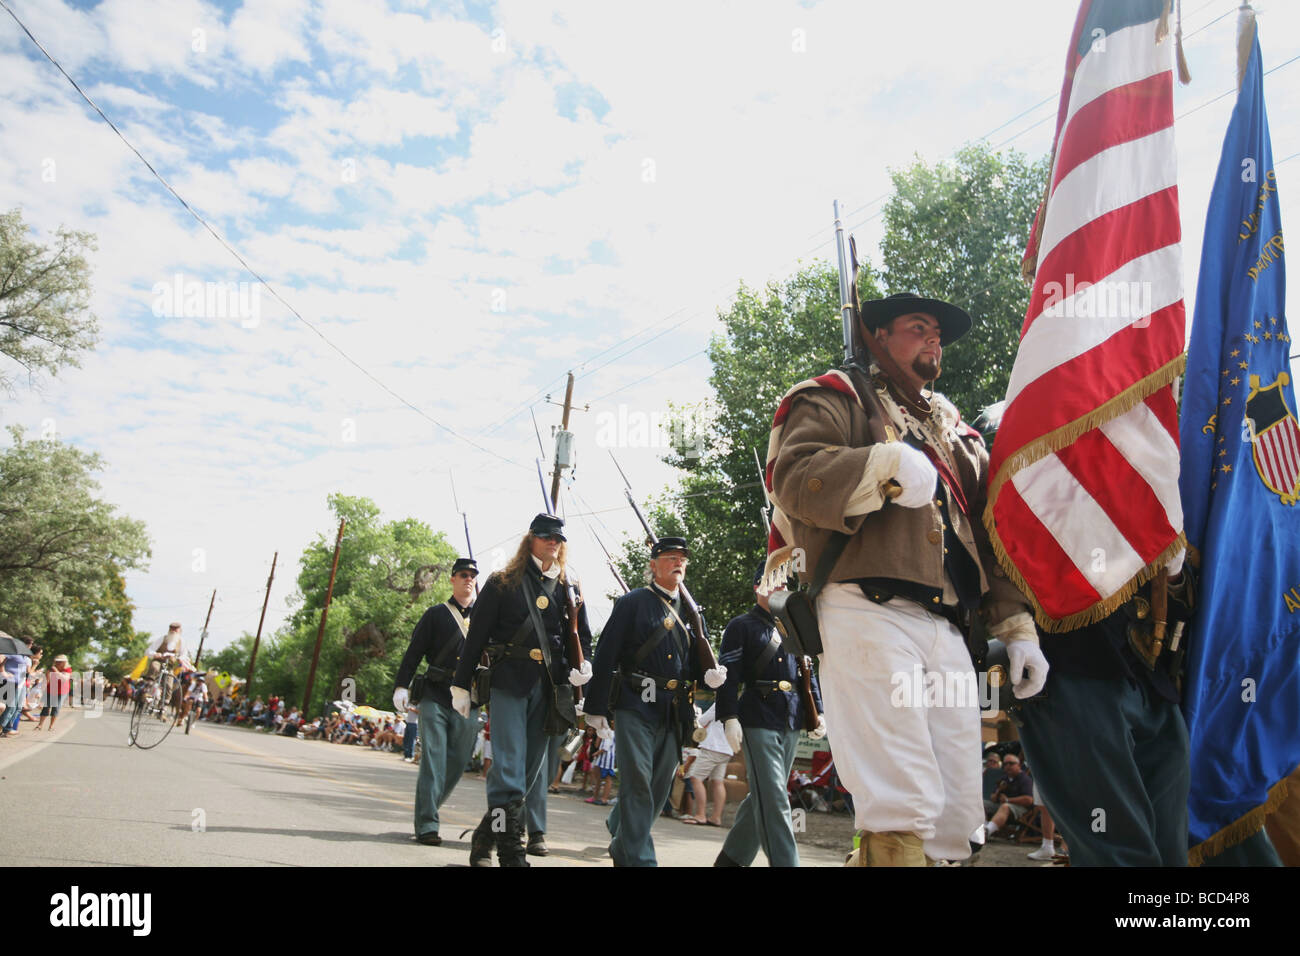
[(1275, 438)]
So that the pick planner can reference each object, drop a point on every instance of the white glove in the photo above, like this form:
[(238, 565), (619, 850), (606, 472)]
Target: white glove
[(916, 476), (460, 700), (715, 677), (818, 732), (401, 698), (1024, 654), (735, 734), (1175, 564), (601, 726), (580, 675)]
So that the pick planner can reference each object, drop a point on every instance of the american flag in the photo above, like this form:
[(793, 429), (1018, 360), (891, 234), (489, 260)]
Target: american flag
[(1083, 500)]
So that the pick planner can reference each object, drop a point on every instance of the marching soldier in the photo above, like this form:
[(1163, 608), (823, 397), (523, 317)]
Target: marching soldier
[(913, 563), (521, 619), (446, 737), (647, 656), (765, 720)]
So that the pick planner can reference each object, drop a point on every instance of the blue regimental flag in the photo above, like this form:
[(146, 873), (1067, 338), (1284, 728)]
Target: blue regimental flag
[(1240, 482)]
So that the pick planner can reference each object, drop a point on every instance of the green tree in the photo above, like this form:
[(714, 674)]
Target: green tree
[(63, 550), (233, 658), (954, 231), (957, 231), (771, 339), (45, 322), (94, 628), (117, 660), (389, 574)]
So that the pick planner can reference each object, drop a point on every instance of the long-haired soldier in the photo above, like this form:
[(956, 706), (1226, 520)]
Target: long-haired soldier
[(520, 620)]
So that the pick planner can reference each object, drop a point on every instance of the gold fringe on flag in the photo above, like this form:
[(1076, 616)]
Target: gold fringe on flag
[(1054, 441), (1238, 830)]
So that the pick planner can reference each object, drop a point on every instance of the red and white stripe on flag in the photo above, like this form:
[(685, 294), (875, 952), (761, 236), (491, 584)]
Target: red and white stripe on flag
[(1083, 500)]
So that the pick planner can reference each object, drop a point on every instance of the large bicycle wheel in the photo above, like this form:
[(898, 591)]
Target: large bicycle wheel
[(154, 715)]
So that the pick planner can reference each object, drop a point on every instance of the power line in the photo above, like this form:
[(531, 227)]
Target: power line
[(242, 261)]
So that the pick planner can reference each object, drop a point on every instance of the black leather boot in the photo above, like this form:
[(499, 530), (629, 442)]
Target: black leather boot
[(510, 844), (480, 844), (537, 844)]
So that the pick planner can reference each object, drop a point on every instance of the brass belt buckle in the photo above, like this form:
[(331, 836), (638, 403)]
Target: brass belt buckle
[(785, 685), (535, 653), (671, 685)]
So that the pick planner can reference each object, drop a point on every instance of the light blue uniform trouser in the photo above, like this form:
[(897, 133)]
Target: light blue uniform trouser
[(15, 693), (648, 755), (518, 744), (446, 741), (1110, 761), (763, 817), (536, 802)]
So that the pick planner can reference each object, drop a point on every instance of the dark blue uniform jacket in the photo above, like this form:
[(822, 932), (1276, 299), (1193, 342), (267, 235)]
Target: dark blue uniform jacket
[(743, 643), (637, 617), (499, 613), (432, 641)]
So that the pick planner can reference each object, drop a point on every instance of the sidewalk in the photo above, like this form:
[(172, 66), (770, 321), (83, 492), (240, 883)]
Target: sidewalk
[(30, 740)]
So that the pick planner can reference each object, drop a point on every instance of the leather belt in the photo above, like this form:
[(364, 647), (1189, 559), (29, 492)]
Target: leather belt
[(766, 687), (951, 613), (513, 652), (663, 683)]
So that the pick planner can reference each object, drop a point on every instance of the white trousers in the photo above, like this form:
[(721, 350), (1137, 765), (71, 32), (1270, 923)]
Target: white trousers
[(911, 762)]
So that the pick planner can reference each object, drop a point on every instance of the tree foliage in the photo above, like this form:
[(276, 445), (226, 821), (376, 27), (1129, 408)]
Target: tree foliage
[(772, 338), (957, 231), (45, 321), (63, 550), (389, 574)]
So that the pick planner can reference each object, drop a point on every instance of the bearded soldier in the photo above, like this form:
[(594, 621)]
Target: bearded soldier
[(520, 620), (446, 737), (884, 471), (648, 655)]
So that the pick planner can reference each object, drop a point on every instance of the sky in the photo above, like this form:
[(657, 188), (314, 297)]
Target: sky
[(462, 202)]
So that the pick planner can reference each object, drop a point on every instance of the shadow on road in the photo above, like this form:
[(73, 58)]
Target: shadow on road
[(335, 836)]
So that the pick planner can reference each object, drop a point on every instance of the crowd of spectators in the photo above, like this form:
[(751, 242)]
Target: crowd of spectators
[(32, 693)]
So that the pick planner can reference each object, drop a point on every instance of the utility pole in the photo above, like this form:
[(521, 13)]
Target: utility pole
[(204, 635), (563, 444), (248, 678), (324, 612), (564, 427)]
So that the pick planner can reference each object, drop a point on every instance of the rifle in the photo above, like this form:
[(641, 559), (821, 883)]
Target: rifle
[(703, 649), (850, 316), (767, 501), (609, 560), (811, 717)]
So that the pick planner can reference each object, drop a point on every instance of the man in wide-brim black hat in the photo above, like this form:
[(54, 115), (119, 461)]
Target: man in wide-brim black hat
[(872, 461)]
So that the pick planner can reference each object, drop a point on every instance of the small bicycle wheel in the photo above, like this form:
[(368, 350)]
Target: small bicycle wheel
[(153, 717), (189, 718)]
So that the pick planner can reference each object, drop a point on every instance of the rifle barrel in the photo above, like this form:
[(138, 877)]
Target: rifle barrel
[(846, 293)]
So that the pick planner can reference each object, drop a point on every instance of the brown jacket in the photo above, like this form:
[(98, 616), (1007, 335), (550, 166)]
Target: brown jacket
[(827, 477)]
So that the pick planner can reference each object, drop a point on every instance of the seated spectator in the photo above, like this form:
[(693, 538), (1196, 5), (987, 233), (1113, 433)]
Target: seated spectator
[(1013, 796)]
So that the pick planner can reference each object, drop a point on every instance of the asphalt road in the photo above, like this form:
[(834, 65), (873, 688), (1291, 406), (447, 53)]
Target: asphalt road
[(224, 796)]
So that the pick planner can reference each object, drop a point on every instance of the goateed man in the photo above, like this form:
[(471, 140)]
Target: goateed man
[(765, 721), (646, 653), (446, 738), (911, 570)]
